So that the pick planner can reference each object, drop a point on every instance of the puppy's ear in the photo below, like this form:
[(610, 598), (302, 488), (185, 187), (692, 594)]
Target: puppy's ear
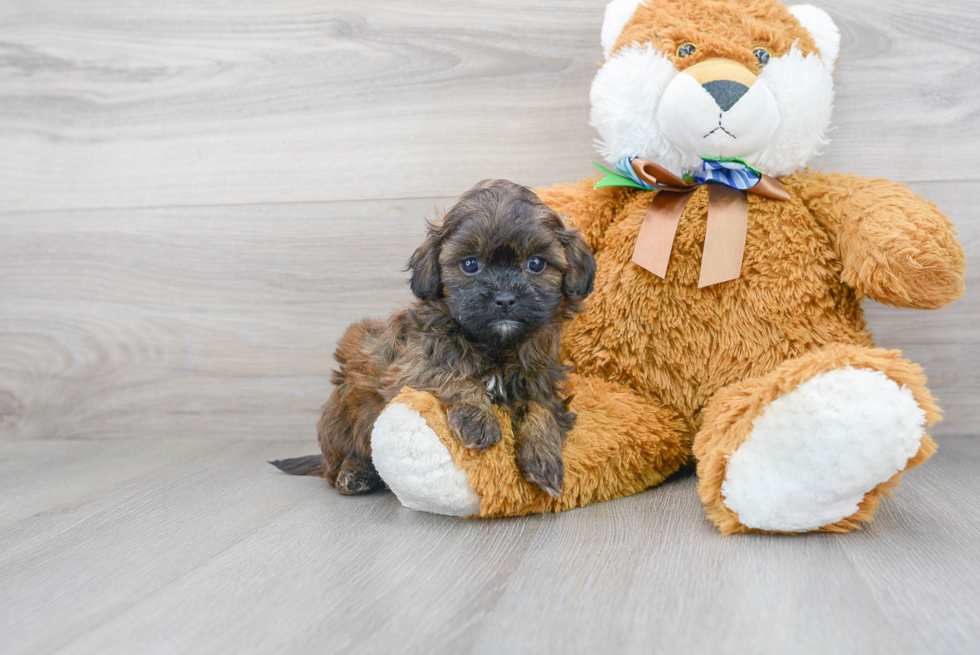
[(426, 273), (579, 279)]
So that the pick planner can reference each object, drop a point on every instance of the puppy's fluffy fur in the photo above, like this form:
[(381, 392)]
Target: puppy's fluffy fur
[(494, 281)]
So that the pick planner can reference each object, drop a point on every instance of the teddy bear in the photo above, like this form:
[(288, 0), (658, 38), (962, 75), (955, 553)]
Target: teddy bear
[(726, 329)]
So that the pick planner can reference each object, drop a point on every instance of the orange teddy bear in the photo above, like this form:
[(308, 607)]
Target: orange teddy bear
[(726, 327)]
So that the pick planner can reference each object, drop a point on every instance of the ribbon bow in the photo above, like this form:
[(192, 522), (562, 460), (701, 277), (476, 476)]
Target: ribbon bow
[(728, 212)]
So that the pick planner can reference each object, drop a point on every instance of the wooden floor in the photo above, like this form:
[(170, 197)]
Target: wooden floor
[(197, 196), (190, 545)]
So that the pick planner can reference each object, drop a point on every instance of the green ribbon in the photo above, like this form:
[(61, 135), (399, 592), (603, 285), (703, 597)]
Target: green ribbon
[(614, 179)]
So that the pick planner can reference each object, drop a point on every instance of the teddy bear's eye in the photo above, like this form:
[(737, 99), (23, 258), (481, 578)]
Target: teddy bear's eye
[(762, 55), (686, 50)]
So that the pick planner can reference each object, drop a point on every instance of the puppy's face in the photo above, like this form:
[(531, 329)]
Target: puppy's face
[(504, 264)]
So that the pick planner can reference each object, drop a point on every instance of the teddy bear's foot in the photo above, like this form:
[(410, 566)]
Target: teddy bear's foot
[(417, 466), (815, 444), (621, 444), (815, 452)]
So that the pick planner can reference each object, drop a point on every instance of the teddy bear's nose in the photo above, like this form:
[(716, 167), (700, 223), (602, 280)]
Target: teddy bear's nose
[(727, 81), (726, 92)]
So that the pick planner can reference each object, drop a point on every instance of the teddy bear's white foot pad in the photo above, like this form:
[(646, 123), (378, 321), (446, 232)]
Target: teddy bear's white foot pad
[(417, 467), (816, 451)]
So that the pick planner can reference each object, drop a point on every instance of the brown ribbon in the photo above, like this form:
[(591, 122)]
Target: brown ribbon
[(728, 222)]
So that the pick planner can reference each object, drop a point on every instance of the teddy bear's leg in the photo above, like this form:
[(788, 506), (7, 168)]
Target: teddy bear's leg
[(621, 445), (814, 444)]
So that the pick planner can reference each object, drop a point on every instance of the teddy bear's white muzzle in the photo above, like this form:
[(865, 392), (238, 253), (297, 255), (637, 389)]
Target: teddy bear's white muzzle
[(719, 118)]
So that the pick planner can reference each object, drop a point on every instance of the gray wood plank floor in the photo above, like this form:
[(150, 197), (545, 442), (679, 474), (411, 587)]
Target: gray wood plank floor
[(196, 546), (197, 196)]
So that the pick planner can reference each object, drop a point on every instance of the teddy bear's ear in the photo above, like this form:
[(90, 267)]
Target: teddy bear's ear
[(618, 13), (823, 30)]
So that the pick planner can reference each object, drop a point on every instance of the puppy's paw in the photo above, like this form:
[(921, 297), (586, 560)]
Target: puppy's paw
[(474, 427), (355, 479), (542, 466)]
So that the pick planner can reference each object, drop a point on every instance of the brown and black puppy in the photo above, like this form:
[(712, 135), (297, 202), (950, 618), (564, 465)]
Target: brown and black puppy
[(494, 281)]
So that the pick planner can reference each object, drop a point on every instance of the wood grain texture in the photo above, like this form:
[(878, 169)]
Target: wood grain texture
[(193, 322), (916, 586), (124, 103), (212, 550)]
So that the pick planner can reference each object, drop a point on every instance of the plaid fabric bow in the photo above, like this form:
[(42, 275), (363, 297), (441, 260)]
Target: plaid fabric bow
[(728, 212), (732, 173)]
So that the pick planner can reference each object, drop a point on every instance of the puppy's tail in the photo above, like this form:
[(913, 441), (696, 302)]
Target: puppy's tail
[(311, 465)]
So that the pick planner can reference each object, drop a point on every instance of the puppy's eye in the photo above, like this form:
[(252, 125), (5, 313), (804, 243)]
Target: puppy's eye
[(470, 266), (686, 49), (536, 265), (762, 55)]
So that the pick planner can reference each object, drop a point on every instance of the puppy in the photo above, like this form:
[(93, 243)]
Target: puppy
[(493, 282)]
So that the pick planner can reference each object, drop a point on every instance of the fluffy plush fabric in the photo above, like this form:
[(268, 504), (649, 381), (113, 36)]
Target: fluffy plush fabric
[(848, 429), (821, 27), (643, 105), (669, 373), (618, 13), (624, 98), (411, 459), (893, 245), (728, 29), (814, 444)]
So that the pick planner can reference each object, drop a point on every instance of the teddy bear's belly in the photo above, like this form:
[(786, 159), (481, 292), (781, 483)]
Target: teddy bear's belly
[(677, 344)]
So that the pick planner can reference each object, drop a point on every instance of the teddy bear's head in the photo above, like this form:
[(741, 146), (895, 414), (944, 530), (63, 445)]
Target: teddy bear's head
[(691, 80)]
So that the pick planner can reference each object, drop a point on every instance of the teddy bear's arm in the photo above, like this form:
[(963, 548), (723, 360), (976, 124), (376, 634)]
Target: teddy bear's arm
[(896, 247), (586, 208)]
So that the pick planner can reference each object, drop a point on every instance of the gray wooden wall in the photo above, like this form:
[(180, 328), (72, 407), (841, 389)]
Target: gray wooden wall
[(197, 196)]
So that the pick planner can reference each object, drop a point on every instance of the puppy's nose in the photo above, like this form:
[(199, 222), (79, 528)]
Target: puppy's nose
[(726, 93), (505, 300)]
